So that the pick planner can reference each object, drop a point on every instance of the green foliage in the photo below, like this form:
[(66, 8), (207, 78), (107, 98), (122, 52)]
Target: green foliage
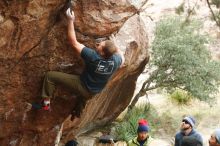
[(181, 59), (215, 12), (127, 129), (181, 97), (217, 16), (216, 3), (180, 9)]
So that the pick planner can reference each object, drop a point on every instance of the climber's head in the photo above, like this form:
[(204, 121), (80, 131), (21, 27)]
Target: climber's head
[(105, 48)]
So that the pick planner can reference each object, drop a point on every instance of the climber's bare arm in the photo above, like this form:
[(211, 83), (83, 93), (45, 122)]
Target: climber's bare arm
[(71, 32), (118, 51)]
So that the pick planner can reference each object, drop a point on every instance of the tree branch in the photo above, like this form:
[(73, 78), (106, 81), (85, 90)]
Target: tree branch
[(190, 11), (213, 14)]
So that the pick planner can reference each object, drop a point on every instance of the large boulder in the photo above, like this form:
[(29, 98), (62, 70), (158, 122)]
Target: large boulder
[(33, 41)]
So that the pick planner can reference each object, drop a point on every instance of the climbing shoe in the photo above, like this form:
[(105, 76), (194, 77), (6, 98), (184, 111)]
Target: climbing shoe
[(77, 110), (75, 114), (46, 104)]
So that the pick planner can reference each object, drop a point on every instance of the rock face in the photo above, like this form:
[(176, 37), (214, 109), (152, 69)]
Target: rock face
[(33, 41)]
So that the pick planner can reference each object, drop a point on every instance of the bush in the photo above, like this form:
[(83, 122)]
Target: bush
[(181, 97), (127, 128)]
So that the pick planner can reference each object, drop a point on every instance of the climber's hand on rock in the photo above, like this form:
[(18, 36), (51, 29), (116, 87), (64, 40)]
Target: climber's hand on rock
[(70, 14)]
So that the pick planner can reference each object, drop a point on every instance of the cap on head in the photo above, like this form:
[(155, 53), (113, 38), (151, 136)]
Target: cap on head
[(217, 135), (143, 126), (190, 120)]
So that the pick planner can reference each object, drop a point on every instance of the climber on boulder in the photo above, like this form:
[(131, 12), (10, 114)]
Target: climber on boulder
[(100, 64)]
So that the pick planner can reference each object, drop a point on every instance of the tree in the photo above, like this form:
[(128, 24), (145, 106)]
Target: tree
[(180, 60), (215, 13)]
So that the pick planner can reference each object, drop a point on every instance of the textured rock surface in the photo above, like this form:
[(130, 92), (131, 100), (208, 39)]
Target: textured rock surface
[(33, 41)]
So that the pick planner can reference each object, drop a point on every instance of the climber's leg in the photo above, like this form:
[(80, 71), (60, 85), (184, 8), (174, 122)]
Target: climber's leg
[(53, 78), (70, 81)]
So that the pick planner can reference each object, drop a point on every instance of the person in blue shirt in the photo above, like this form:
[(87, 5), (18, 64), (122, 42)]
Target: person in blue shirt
[(100, 64), (187, 130)]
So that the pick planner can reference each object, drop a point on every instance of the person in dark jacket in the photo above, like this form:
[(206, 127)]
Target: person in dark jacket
[(187, 129), (215, 138), (190, 141)]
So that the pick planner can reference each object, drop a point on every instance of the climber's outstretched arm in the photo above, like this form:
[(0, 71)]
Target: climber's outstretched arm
[(71, 32)]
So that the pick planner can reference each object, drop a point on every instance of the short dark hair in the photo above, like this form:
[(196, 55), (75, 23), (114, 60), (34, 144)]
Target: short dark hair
[(109, 48), (190, 141)]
